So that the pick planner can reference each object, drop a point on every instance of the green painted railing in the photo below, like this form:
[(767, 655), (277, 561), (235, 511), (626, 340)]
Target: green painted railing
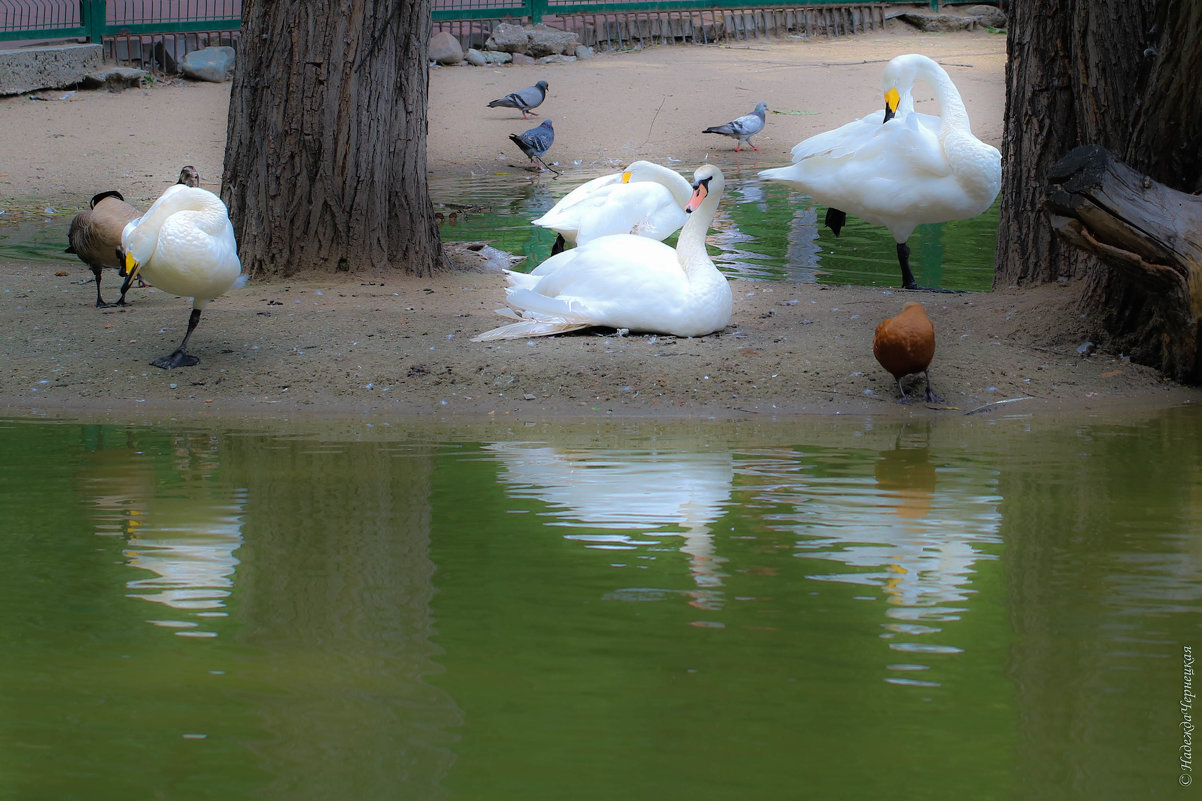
[(90, 19)]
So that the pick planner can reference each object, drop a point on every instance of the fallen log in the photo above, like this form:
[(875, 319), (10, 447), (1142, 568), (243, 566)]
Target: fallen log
[(1150, 236)]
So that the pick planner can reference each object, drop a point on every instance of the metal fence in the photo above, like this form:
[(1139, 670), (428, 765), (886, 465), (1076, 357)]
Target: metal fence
[(155, 34), (626, 25)]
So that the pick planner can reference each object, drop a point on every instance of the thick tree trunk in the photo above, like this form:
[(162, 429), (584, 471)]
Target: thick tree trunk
[(1150, 238), (1118, 74), (1069, 81), (325, 162)]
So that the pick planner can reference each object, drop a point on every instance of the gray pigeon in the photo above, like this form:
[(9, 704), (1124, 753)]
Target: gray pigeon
[(523, 100), (744, 127), (535, 142)]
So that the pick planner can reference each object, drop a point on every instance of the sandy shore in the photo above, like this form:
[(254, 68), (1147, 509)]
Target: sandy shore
[(390, 345)]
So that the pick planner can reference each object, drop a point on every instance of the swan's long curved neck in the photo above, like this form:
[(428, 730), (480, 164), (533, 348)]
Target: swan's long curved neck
[(680, 189), (206, 208), (952, 113), (690, 244)]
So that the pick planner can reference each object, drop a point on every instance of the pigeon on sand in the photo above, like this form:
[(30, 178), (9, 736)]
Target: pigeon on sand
[(524, 100), (536, 142), (744, 127)]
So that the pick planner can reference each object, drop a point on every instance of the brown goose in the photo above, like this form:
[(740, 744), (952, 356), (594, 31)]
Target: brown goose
[(95, 235)]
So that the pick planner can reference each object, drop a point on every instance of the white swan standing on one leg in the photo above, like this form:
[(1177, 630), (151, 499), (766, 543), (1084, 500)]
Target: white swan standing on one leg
[(627, 282), (184, 244), (908, 169), (645, 199)]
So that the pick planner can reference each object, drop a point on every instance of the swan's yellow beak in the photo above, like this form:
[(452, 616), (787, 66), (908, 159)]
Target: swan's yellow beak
[(626, 177), (131, 266), (892, 98)]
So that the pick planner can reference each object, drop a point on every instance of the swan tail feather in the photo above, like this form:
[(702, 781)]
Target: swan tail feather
[(529, 328)]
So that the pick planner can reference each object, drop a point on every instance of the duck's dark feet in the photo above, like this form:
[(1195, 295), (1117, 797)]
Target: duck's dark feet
[(177, 359), (931, 396)]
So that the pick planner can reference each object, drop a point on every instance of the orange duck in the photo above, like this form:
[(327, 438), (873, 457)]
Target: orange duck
[(905, 344)]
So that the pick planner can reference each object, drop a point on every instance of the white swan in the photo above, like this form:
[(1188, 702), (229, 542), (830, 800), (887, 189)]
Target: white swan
[(184, 244), (627, 282), (95, 235), (914, 168), (645, 199)]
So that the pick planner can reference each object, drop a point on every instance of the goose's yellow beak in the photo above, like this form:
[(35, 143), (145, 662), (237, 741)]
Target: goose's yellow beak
[(626, 177), (131, 266), (892, 98)]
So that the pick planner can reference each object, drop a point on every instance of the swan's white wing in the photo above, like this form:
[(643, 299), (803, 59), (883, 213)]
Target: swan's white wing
[(644, 208)]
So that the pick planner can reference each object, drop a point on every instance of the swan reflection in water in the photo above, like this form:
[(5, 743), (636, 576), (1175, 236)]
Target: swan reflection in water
[(183, 536), (192, 562), (658, 495)]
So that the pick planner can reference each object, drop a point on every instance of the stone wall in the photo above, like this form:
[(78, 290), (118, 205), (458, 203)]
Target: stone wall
[(49, 67)]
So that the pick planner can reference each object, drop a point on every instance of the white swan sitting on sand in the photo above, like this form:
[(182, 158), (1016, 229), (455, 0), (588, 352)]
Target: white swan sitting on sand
[(627, 282)]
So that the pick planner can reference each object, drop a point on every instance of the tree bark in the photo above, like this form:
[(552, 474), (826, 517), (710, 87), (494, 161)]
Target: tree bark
[(1150, 236), (325, 162), (1069, 82), (1118, 74)]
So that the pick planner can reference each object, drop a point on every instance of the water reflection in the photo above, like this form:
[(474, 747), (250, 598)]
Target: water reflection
[(184, 537), (641, 610), (192, 563), (660, 495), (764, 231)]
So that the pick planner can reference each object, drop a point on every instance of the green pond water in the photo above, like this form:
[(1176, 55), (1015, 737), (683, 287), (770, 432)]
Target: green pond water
[(762, 231), (830, 609)]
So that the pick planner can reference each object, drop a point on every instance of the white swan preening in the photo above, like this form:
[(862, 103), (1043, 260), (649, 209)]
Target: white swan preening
[(645, 199), (184, 244), (95, 234), (908, 169), (627, 282)]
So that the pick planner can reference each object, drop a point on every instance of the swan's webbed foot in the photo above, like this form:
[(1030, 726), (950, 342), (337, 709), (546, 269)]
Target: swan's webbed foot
[(177, 359), (181, 357)]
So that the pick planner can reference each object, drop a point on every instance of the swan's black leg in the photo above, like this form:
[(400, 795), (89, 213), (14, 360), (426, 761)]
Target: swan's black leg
[(559, 244), (835, 220), (181, 358), (125, 285), (903, 258)]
